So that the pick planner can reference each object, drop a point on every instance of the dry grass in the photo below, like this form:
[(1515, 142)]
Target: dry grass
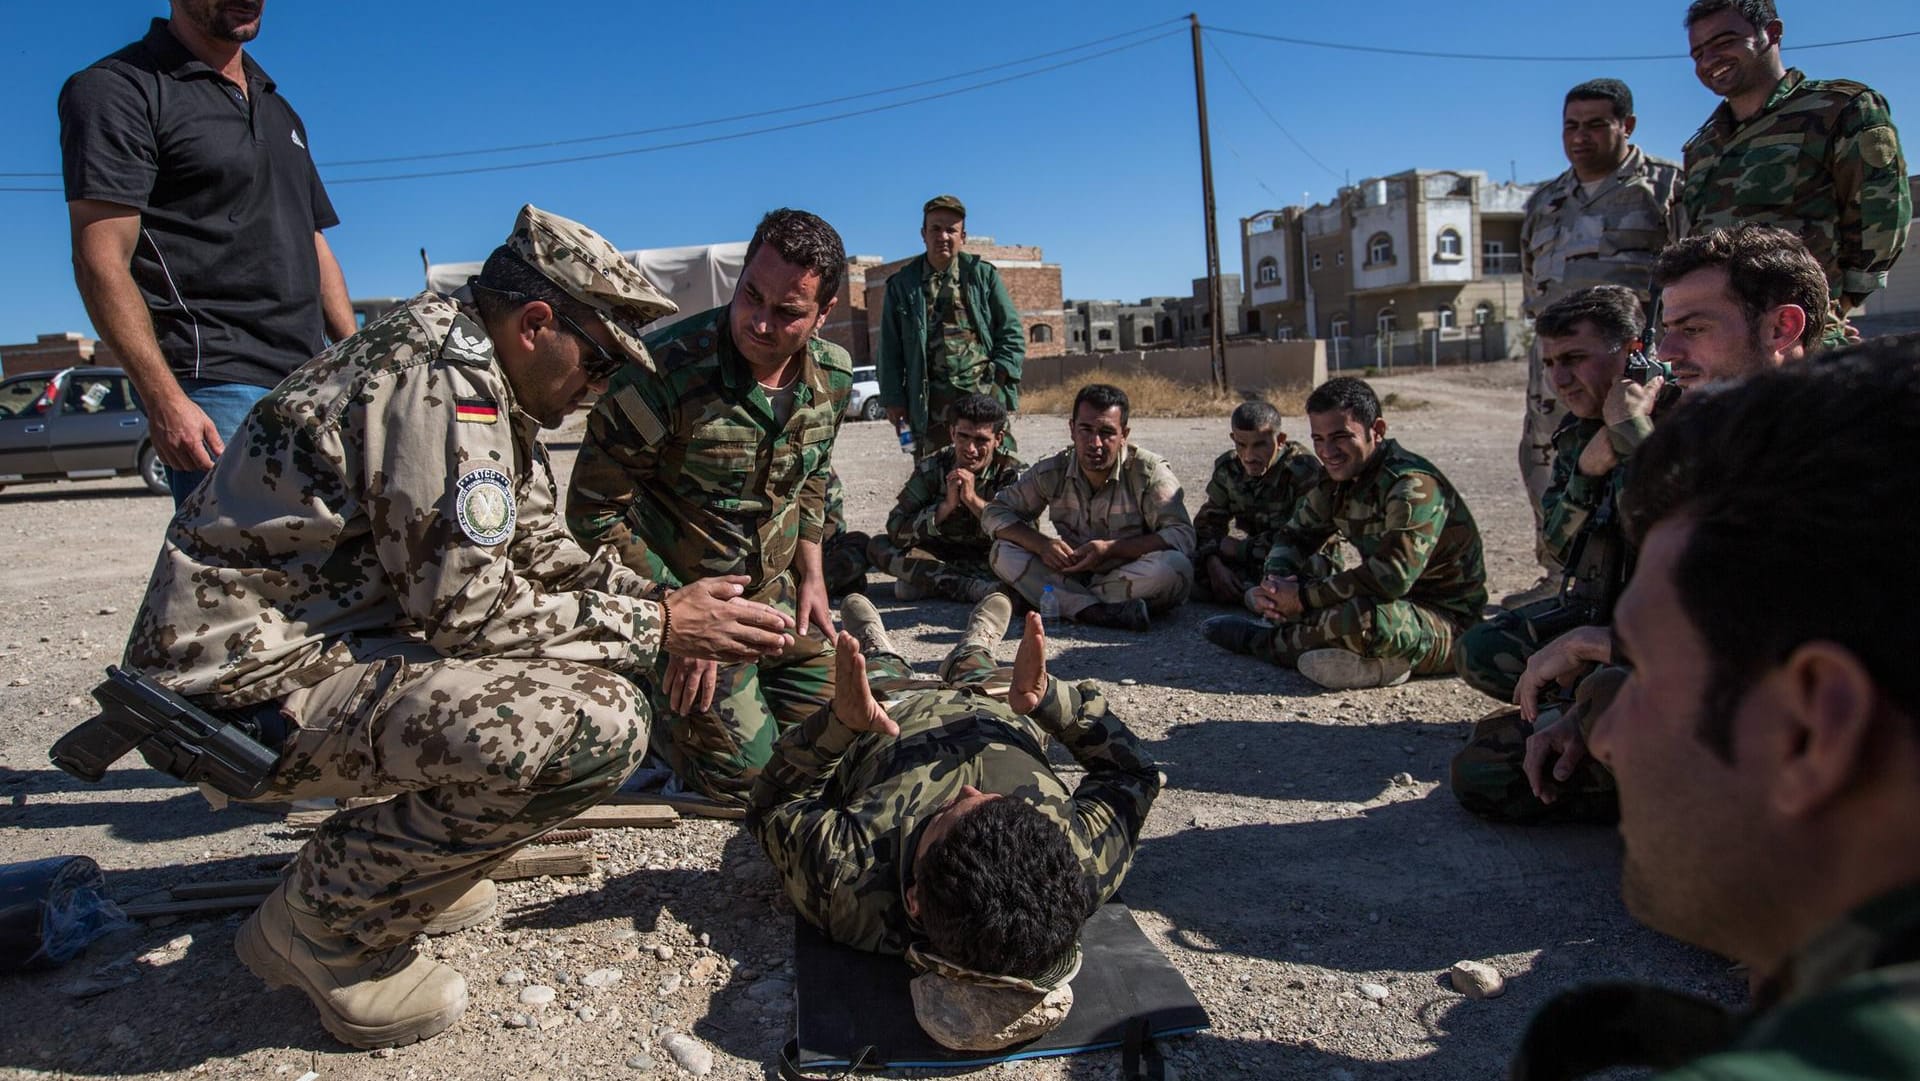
[(1157, 396)]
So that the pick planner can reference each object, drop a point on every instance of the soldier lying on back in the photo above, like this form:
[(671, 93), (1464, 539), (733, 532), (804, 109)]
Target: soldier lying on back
[(933, 826)]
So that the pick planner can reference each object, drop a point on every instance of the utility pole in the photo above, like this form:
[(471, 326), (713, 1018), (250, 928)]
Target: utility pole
[(1217, 339)]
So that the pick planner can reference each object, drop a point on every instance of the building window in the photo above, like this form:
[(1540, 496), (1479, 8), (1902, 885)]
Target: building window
[(1206, 320), (1268, 271), (1449, 248), (1385, 323), (1316, 260), (1495, 259), (1443, 315), (1337, 328), (1146, 334), (1340, 258), (1166, 327), (1379, 249), (1106, 334), (1483, 313), (1040, 332), (1253, 322), (1282, 334)]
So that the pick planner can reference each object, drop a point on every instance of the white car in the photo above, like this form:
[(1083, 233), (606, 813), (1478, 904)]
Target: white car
[(864, 403)]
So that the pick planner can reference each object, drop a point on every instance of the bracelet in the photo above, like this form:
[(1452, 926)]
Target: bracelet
[(666, 622)]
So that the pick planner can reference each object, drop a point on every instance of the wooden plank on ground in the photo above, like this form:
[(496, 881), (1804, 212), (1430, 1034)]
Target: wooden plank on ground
[(188, 908), (534, 862), (643, 816), (238, 887), (685, 803)]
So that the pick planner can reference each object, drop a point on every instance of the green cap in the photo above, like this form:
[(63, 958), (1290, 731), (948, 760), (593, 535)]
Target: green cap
[(944, 202)]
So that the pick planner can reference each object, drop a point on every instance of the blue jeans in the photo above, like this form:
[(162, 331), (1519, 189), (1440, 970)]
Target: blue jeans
[(226, 405)]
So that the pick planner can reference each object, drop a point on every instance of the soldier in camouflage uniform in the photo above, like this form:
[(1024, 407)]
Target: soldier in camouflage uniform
[(376, 581), (1817, 157), (1125, 541), (934, 546), (1255, 486), (716, 462), (949, 329), (1420, 583), (1767, 741), (935, 826), (1600, 222), (843, 553)]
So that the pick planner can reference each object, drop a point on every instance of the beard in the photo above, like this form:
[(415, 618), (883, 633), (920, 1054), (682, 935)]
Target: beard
[(237, 23)]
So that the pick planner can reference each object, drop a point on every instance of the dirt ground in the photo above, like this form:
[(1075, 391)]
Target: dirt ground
[(1280, 870)]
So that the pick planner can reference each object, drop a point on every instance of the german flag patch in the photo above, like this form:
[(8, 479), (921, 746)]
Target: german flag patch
[(476, 411)]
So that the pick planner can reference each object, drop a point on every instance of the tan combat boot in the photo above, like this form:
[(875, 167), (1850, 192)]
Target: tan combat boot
[(474, 906), (366, 997), (862, 621), (1343, 670), (987, 623)]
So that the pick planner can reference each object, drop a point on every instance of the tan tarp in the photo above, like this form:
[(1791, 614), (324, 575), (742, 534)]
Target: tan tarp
[(695, 278)]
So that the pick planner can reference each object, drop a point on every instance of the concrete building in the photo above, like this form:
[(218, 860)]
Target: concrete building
[(52, 352), (1164, 322), (1417, 266), (1033, 282)]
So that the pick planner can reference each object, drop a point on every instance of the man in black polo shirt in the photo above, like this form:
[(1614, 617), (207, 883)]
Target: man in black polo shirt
[(196, 217)]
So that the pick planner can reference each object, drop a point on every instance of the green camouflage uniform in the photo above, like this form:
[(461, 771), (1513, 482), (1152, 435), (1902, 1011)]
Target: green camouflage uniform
[(685, 473), (1489, 778), (1141, 496), (1845, 1007), (378, 554), (1259, 506), (1420, 581), (1821, 160), (1570, 241), (843, 554), (944, 336), (840, 813), (942, 559)]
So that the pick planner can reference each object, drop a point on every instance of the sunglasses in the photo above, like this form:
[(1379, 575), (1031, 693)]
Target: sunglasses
[(601, 365)]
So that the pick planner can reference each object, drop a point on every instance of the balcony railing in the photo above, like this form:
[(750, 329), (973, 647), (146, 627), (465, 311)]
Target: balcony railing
[(1503, 263)]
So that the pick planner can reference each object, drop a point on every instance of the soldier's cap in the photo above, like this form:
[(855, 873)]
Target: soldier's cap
[(944, 202), (967, 1010), (588, 269)]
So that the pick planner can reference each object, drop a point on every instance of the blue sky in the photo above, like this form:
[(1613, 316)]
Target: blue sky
[(1096, 162)]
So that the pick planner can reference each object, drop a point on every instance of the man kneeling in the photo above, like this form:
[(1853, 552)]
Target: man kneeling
[(933, 826)]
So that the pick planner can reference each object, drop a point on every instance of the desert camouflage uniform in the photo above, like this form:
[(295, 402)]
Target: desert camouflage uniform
[(840, 813), (685, 473), (1569, 242), (1259, 506), (943, 559), (843, 554), (1821, 160), (378, 555), (1141, 496), (1845, 1006), (1420, 581)]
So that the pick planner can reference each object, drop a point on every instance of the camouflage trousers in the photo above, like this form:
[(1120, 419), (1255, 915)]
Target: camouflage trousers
[(1246, 572), (1544, 412), (1371, 628), (1494, 653), (1489, 775), (718, 753), (1163, 579), (843, 561), (964, 665), (936, 573), (480, 756)]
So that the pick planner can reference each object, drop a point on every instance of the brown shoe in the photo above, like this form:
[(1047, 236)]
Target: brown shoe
[(470, 908), (366, 997), (862, 620)]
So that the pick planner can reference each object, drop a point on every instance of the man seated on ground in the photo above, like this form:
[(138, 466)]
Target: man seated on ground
[(716, 461), (934, 546), (1125, 540), (374, 579), (1767, 741), (1255, 486), (1586, 339), (932, 825), (843, 552), (1733, 303), (1420, 582)]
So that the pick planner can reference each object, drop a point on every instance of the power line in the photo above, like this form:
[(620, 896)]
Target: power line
[(1255, 98), (1346, 47), (604, 155), (736, 117)]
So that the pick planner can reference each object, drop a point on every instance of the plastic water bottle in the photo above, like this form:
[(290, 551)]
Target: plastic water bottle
[(906, 440), (1049, 605)]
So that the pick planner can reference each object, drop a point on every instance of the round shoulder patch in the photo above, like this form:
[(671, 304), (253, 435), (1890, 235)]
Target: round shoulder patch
[(1879, 146), (484, 503)]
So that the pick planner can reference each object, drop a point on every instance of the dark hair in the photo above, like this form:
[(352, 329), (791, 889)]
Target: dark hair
[(979, 409), (1102, 397), (1766, 267), (1613, 310), (1612, 90), (1349, 394), (1254, 415), (805, 240), (1002, 892), (1758, 13), (505, 272), (1774, 495)]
